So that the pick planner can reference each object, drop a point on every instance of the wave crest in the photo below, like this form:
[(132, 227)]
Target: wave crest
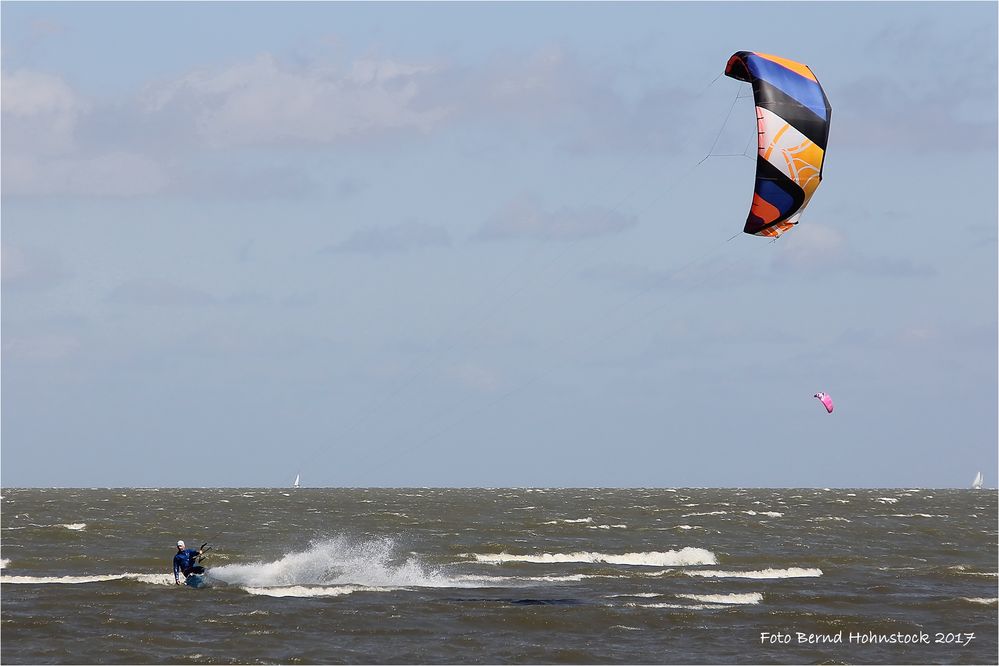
[(672, 558)]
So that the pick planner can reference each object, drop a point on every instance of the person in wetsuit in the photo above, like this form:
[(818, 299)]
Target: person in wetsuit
[(186, 562)]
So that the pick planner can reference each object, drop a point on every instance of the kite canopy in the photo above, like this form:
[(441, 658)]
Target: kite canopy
[(792, 114), (825, 400)]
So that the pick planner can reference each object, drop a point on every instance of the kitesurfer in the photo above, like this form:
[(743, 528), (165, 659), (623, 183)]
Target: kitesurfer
[(186, 562)]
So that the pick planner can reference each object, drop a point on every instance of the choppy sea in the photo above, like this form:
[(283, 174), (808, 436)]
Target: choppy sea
[(504, 575)]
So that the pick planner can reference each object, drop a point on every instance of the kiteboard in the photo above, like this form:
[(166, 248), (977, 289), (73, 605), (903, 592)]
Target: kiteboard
[(196, 580)]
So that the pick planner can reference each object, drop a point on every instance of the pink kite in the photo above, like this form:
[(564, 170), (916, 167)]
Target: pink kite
[(825, 400)]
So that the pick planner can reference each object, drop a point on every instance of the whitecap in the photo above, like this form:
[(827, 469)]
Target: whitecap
[(505, 581), (918, 515), (763, 574), (680, 606), (684, 557), (58, 580), (747, 598), (981, 600), (152, 579), (319, 591)]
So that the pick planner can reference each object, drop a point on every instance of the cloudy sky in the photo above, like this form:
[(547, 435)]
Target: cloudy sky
[(479, 244)]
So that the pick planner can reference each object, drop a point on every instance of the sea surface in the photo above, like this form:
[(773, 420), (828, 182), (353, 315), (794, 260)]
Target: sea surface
[(501, 576)]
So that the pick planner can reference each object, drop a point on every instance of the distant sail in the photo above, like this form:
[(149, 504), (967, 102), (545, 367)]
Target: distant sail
[(977, 483), (295, 485)]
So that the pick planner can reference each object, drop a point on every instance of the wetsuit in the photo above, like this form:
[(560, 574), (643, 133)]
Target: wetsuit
[(186, 562)]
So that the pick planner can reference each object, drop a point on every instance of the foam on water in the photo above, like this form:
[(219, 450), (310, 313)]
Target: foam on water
[(748, 598), (154, 579), (63, 580), (982, 600), (4, 562), (304, 591), (919, 515), (764, 574), (672, 558), (336, 562), (680, 606)]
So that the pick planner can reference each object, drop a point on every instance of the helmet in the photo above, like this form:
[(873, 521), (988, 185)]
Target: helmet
[(180, 544)]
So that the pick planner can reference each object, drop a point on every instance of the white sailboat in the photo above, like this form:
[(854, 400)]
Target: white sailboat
[(295, 485), (977, 483)]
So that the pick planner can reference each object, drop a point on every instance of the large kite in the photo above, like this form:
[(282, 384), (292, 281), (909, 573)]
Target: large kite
[(792, 114)]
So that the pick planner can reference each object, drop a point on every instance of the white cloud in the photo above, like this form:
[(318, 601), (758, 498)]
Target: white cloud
[(111, 174), (159, 293), (264, 101), (526, 217), (162, 139), (244, 182), (813, 249), (946, 103), (42, 154), (31, 269), (821, 249), (40, 113), (395, 238)]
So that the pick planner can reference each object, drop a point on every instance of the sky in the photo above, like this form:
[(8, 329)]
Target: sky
[(491, 244)]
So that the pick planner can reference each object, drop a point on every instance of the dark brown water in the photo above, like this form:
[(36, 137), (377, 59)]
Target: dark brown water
[(502, 576)]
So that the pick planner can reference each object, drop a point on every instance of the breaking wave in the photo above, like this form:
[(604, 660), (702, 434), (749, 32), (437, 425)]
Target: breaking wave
[(155, 579), (305, 591), (671, 558), (764, 574), (334, 563), (749, 598)]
